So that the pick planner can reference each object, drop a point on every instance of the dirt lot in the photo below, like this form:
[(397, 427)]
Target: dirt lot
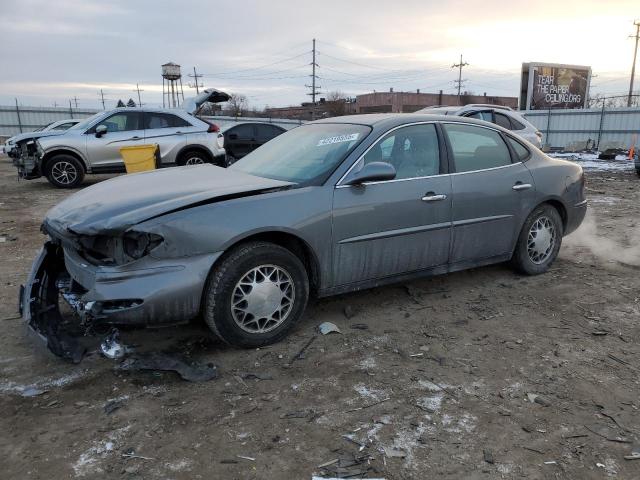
[(436, 378)]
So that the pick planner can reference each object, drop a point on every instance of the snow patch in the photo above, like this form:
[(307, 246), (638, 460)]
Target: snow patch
[(46, 384), (432, 404), (370, 393), (590, 161), (88, 462)]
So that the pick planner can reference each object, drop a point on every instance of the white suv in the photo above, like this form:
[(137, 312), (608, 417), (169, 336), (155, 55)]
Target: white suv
[(93, 146), (503, 116)]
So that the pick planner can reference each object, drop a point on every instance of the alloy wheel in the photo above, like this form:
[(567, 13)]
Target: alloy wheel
[(194, 161), (262, 299), (64, 173)]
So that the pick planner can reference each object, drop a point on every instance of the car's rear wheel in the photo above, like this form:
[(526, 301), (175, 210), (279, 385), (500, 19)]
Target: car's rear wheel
[(255, 295), (64, 171), (539, 241)]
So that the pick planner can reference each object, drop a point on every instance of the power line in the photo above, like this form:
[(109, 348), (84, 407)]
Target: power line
[(633, 67), (195, 76), (257, 68), (314, 77), (459, 66)]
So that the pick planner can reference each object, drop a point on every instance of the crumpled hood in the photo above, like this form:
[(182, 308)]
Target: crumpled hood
[(117, 204), (23, 136)]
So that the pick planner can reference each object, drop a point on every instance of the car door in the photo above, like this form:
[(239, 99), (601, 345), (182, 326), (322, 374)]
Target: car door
[(168, 131), (398, 226), (239, 140), (124, 129), (492, 193)]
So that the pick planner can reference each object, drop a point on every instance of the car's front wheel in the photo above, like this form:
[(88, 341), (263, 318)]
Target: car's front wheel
[(539, 241), (64, 171), (255, 295), (193, 157)]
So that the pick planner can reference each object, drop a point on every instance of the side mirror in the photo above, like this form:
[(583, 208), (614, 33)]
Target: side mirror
[(101, 130), (372, 172)]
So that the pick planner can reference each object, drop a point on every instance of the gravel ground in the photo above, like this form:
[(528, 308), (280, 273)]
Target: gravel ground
[(477, 374)]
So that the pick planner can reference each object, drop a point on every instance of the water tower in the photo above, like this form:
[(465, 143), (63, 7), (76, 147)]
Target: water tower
[(172, 79)]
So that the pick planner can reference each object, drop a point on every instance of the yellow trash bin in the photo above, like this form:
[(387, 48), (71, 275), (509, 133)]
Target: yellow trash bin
[(139, 158)]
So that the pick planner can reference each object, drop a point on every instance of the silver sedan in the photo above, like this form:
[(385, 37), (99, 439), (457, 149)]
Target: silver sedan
[(329, 207)]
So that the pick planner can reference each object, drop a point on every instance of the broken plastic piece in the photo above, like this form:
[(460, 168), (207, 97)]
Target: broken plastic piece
[(111, 347), (161, 361), (328, 327)]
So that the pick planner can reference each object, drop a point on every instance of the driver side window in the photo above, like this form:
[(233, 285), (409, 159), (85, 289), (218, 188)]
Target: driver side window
[(121, 122), (413, 151)]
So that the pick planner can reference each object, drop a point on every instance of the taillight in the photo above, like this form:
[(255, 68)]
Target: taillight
[(213, 128)]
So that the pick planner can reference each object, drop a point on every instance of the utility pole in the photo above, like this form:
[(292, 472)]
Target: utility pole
[(460, 80), (75, 100), (633, 66), (71, 109), (314, 88), (102, 97), (195, 76), (138, 90)]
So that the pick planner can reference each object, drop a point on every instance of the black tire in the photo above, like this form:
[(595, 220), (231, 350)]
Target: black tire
[(193, 157), (531, 261), (223, 286), (64, 171)]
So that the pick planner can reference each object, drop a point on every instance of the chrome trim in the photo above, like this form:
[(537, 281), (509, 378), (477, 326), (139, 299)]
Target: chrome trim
[(395, 233), (471, 221), (487, 169), (581, 204), (433, 198), (521, 186)]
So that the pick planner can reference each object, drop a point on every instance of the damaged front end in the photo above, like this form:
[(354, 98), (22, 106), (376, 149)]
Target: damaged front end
[(83, 285), (26, 157)]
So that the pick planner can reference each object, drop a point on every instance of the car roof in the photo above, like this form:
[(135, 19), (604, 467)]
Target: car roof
[(390, 120)]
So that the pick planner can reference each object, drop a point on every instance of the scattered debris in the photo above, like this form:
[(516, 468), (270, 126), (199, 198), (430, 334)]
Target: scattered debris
[(349, 312), (300, 354), (32, 392), (255, 376), (488, 456), (327, 327), (251, 459), (193, 372), (359, 326), (111, 347), (535, 398), (113, 405), (394, 452)]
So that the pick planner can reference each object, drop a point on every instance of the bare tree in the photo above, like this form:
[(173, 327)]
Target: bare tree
[(237, 105), (336, 101)]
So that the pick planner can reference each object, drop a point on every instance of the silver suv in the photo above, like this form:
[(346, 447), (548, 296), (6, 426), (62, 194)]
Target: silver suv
[(93, 146), (498, 114)]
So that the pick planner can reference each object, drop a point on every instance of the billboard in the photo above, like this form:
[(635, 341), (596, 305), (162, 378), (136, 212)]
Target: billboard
[(546, 86)]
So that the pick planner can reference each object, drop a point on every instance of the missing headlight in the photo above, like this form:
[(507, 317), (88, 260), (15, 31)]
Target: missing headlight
[(138, 244)]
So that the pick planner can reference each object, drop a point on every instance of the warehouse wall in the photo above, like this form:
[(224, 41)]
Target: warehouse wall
[(611, 127), (14, 119)]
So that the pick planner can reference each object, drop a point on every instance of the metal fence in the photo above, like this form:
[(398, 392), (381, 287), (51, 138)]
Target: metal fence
[(599, 128), (17, 119)]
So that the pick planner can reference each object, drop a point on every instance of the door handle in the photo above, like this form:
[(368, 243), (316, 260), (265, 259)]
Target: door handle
[(432, 197), (521, 186)]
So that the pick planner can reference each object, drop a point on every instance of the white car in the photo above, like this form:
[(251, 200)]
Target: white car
[(498, 114), (54, 128)]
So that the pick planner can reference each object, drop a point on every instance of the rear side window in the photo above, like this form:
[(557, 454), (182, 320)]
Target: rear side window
[(521, 151), (164, 120), (476, 148), (486, 116), (267, 132), (516, 125), (503, 121), (243, 132)]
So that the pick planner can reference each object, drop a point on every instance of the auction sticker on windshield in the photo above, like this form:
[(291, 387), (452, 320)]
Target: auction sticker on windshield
[(338, 139)]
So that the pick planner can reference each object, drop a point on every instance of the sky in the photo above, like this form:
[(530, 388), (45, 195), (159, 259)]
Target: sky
[(52, 52)]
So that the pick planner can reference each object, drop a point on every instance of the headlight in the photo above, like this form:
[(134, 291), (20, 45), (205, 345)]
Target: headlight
[(138, 244)]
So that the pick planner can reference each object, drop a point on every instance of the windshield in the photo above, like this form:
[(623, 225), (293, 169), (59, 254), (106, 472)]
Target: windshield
[(304, 154), (87, 121)]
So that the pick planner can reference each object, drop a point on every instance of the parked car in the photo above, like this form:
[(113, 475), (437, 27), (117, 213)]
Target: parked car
[(93, 146), (243, 138), (332, 206), (498, 114), (53, 128)]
